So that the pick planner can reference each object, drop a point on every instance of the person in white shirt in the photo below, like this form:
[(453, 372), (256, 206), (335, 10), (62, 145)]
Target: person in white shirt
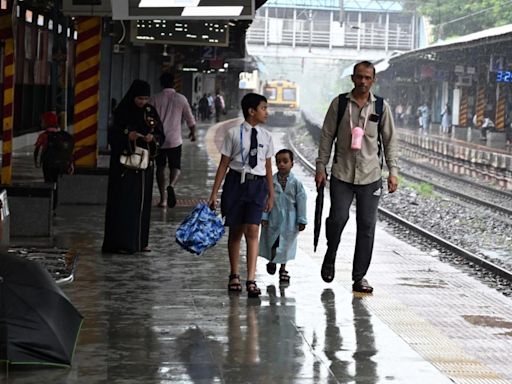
[(220, 106), (248, 190), (487, 125), (172, 107)]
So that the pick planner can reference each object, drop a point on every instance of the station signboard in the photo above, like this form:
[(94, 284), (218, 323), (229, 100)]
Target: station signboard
[(186, 32), (248, 80)]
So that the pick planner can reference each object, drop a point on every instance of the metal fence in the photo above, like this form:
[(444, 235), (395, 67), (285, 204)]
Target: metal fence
[(393, 36)]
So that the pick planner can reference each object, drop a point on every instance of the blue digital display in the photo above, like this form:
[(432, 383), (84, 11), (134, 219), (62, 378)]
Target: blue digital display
[(504, 77)]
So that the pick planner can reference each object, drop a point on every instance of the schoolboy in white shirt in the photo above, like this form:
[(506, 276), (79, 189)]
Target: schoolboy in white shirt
[(248, 190)]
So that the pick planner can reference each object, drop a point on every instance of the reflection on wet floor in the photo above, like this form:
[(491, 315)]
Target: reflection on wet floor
[(488, 321), (423, 282)]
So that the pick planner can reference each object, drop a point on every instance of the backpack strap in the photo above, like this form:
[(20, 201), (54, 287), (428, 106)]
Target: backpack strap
[(342, 106), (379, 108)]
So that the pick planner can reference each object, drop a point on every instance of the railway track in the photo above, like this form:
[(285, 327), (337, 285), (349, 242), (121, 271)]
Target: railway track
[(463, 196), (440, 243), (497, 193)]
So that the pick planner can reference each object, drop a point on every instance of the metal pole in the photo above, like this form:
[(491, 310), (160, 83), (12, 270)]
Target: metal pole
[(342, 6)]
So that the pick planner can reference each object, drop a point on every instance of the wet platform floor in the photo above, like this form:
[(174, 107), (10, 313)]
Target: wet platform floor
[(166, 316)]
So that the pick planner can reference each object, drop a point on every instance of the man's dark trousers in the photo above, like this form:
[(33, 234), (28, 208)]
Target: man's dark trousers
[(367, 202)]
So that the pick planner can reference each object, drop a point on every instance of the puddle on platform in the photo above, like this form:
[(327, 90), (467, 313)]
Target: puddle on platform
[(489, 321), (423, 282)]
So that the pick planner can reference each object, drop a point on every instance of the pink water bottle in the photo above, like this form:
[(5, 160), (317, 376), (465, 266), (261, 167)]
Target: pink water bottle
[(357, 137)]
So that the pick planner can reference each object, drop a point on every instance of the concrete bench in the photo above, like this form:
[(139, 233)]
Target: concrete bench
[(497, 140), (476, 136), (460, 133), (30, 209), (86, 186)]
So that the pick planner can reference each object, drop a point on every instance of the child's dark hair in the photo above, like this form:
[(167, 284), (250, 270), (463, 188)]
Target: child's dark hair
[(251, 100), (167, 80), (282, 151)]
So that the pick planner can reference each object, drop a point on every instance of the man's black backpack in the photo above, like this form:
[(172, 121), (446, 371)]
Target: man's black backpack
[(379, 107), (59, 151)]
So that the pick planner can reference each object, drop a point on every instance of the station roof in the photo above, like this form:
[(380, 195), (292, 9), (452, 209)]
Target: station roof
[(348, 5), (492, 35), (162, 9)]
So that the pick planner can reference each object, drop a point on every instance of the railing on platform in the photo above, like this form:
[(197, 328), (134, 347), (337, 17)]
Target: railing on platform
[(395, 36)]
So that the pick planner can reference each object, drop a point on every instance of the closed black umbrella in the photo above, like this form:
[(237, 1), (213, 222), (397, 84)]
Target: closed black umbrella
[(319, 206), (38, 323)]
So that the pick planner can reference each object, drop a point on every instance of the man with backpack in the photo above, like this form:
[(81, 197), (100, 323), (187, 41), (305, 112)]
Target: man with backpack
[(356, 169), (53, 151)]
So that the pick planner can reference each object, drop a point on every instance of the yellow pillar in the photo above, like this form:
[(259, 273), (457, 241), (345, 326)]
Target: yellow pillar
[(481, 100), (463, 108), (500, 109), (87, 80), (6, 35)]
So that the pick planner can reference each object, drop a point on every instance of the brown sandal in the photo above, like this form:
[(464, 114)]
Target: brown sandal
[(234, 287), (252, 288)]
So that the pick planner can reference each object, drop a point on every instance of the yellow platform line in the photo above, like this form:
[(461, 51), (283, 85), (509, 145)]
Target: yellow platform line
[(426, 339), (211, 146)]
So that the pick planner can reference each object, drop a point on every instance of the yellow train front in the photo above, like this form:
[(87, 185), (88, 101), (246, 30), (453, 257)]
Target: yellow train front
[(283, 101)]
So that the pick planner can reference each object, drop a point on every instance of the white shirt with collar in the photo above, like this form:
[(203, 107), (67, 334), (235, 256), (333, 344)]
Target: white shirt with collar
[(231, 147)]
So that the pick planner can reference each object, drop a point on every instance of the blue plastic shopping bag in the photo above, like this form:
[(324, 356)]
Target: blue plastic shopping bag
[(200, 230)]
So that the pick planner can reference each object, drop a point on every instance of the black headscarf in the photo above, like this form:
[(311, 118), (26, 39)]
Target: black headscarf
[(127, 112), (138, 88)]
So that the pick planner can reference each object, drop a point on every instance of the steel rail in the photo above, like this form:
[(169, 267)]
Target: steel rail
[(475, 184), (460, 195)]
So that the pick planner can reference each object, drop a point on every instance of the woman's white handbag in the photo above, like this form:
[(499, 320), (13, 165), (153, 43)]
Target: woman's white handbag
[(139, 159)]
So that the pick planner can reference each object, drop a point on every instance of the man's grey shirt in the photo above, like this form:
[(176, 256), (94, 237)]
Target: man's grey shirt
[(362, 166)]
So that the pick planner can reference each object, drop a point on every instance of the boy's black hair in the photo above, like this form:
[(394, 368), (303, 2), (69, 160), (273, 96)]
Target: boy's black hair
[(284, 150), (251, 100), (167, 80)]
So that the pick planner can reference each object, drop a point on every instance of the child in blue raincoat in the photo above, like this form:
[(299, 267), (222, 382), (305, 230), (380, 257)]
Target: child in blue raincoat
[(278, 241)]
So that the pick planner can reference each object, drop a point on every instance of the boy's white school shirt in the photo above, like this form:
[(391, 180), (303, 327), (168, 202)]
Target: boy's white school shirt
[(231, 147)]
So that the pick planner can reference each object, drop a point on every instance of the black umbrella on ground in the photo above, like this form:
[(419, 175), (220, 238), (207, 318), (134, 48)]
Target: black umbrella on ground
[(319, 206), (38, 323)]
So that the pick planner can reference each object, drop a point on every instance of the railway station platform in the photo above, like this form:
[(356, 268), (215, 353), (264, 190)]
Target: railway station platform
[(166, 316)]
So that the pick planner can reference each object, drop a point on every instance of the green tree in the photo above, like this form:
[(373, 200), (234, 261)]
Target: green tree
[(460, 17)]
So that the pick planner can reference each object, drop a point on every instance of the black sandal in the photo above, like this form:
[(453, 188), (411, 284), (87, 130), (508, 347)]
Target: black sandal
[(284, 276), (328, 269), (234, 287), (252, 288), (362, 286), (271, 268)]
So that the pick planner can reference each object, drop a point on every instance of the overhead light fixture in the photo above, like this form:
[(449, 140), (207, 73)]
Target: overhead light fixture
[(165, 53), (212, 11), (168, 3)]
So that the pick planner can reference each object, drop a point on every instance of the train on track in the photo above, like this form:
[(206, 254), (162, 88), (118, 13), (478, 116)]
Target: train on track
[(283, 101)]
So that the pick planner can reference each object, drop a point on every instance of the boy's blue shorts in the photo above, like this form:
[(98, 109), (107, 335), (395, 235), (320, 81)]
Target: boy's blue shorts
[(243, 203)]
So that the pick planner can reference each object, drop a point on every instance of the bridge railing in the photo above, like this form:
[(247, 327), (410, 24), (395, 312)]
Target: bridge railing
[(322, 34)]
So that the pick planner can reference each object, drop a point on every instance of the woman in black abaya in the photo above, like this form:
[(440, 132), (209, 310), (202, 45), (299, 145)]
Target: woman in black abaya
[(130, 191)]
